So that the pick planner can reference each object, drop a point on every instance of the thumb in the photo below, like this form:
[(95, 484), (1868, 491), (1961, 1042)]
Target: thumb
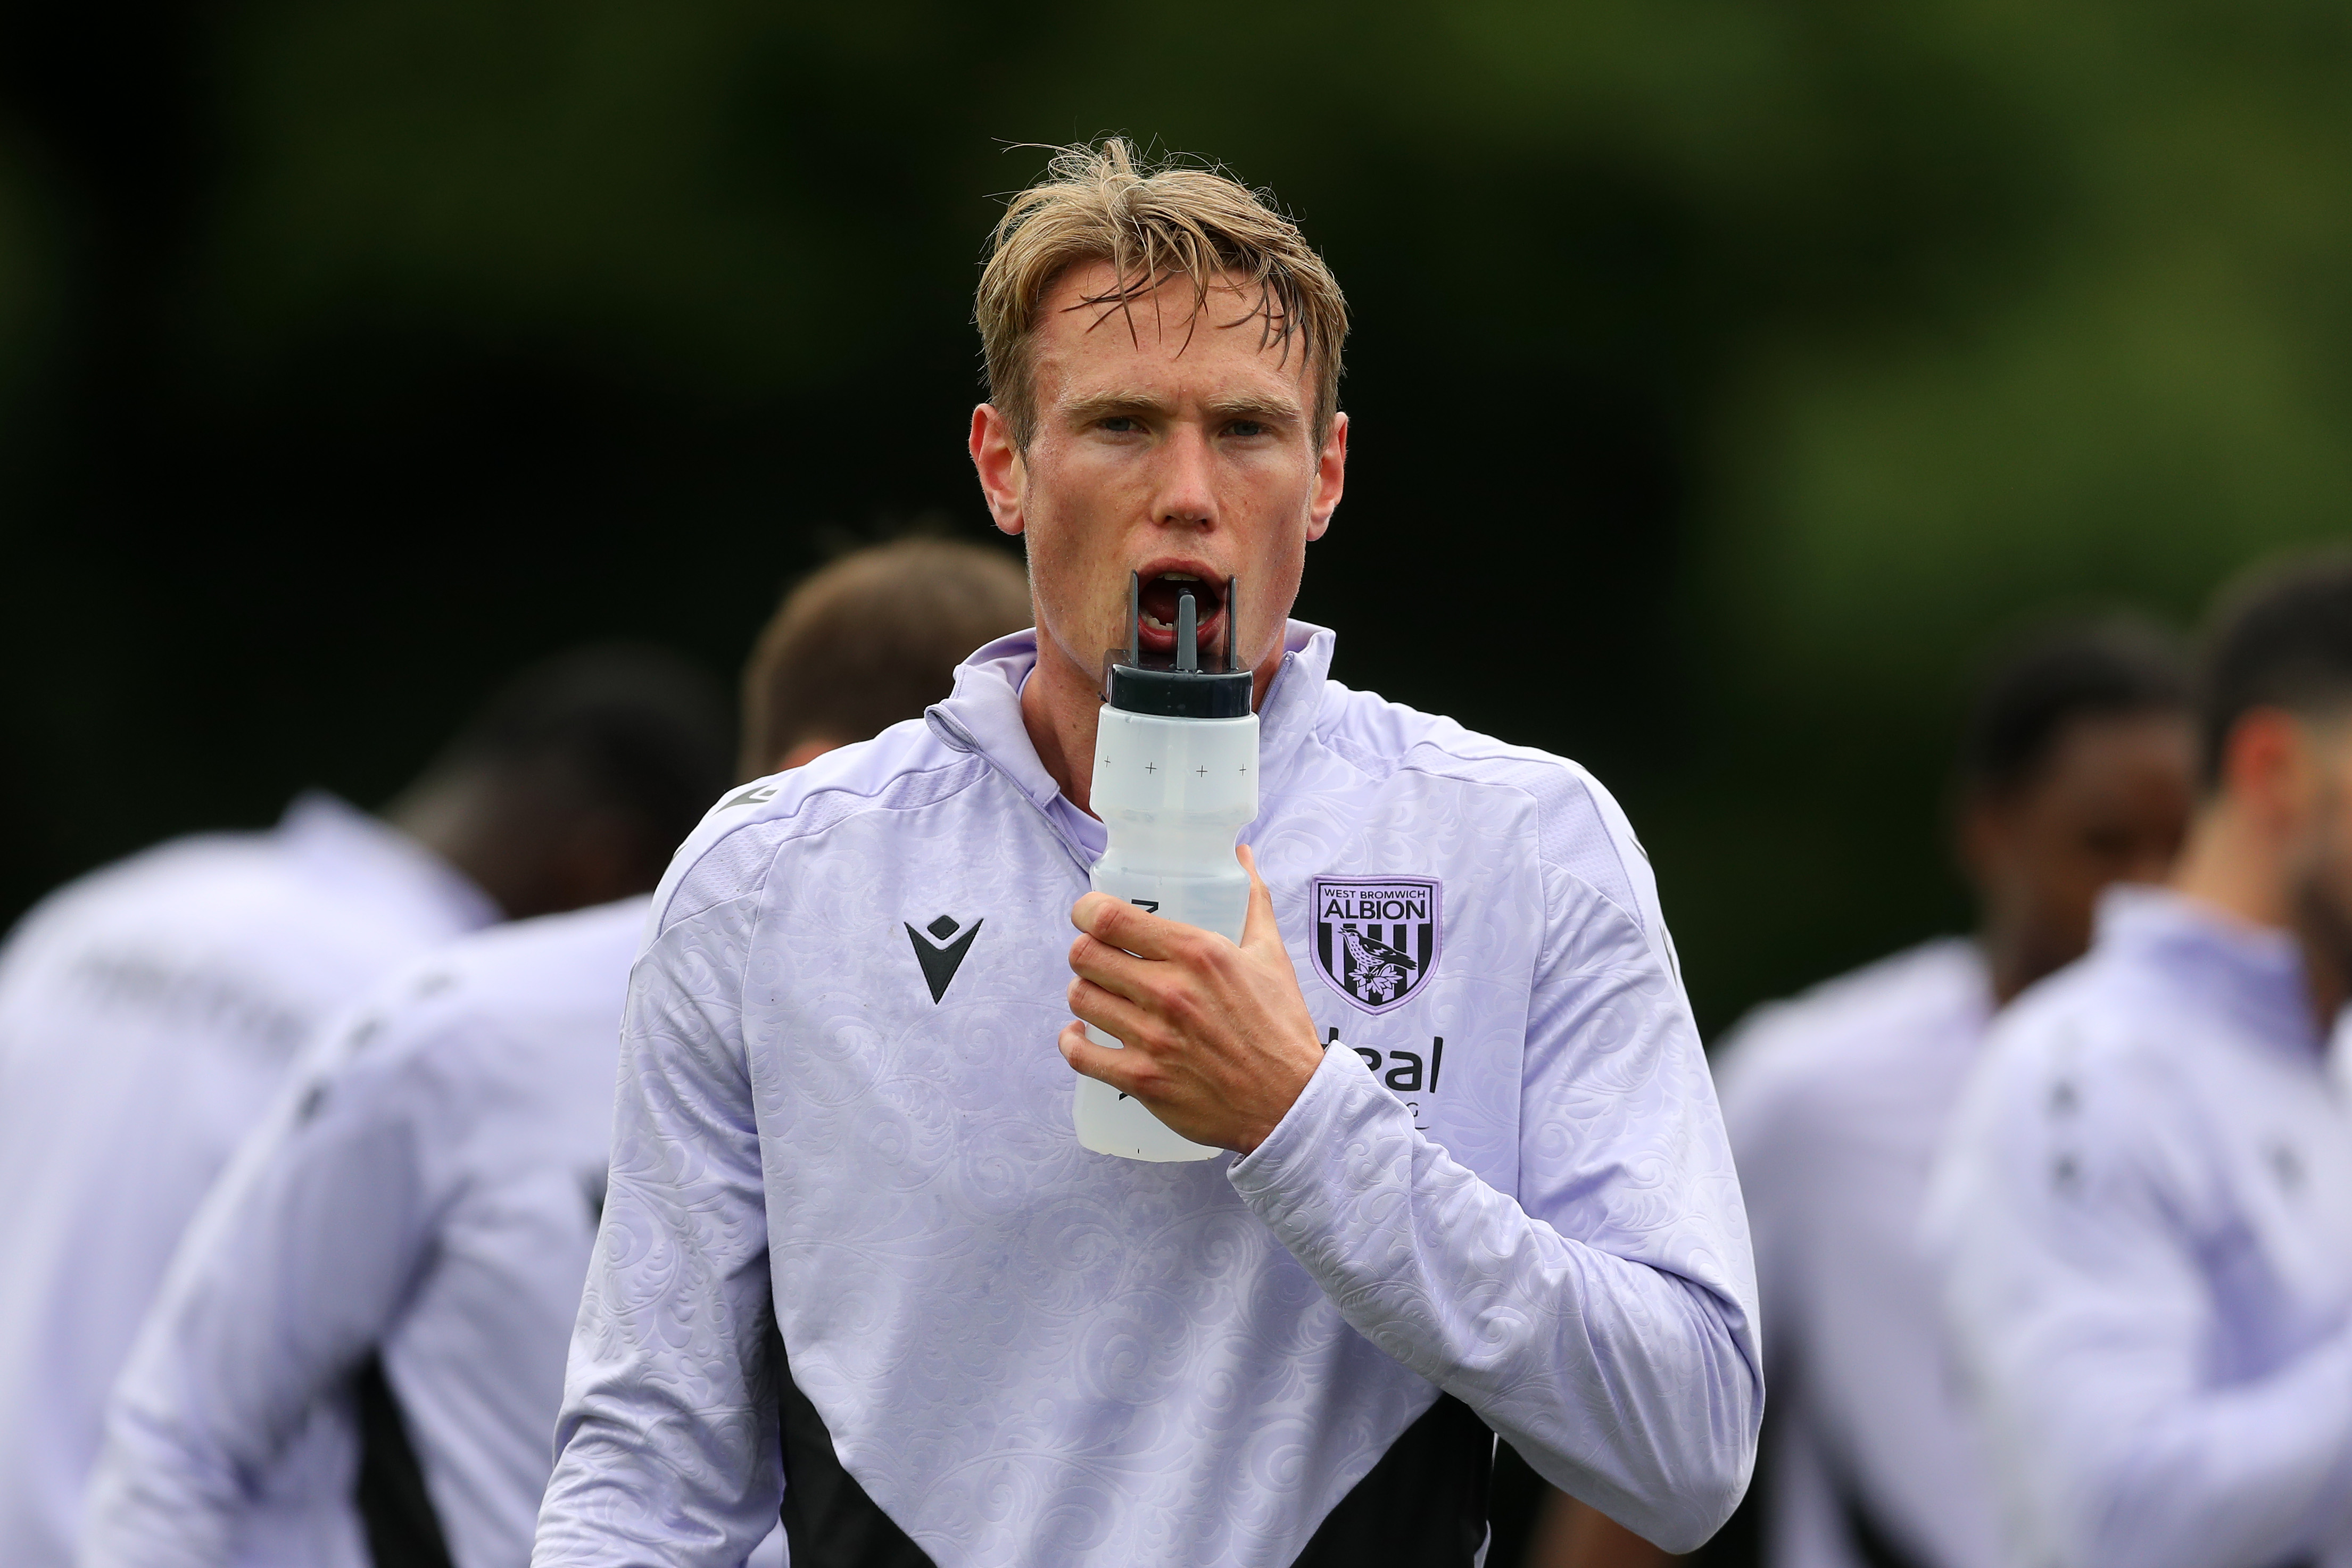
[(1259, 926)]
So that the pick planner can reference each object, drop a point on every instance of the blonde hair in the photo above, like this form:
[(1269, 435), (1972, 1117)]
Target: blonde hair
[(1152, 223), (873, 638)]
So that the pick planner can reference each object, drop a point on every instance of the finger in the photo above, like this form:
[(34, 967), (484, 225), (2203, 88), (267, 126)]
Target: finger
[(1113, 1014), (1260, 924), (1111, 969), (1123, 926), (1096, 1061)]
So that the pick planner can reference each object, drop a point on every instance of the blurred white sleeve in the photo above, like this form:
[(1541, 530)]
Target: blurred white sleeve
[(289, 1274)]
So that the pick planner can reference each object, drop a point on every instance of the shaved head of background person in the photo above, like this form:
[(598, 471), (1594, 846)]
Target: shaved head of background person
[(151, 1010), (849, 1217), (420, 1216), (2076, 770), (2143, 1214)]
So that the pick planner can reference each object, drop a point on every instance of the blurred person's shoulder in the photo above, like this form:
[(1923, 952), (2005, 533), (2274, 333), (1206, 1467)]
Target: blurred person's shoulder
[(2095, 1018), (907, 767), (555, 964), (192, 865), (1791, 1058), (1571, 822), (2092, 1059), (219, 889), (494, 1006)]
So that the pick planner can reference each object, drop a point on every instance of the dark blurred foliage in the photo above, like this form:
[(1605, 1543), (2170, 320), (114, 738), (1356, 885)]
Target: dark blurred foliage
[(1724, 373)]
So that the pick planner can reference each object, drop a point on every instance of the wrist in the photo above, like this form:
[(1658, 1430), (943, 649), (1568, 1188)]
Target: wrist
[(1299, 1059), (1311, 1108)]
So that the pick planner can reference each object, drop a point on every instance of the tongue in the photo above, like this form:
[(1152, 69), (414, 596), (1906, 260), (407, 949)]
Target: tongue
[(1160, 596)]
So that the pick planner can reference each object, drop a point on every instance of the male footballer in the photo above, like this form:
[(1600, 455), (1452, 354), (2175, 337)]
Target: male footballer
[(855, 1262), (2142, 1214)]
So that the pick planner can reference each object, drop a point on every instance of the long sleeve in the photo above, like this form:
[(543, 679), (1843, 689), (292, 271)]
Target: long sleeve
[(1601, 1320), (2085, 1290), (293, 1270), (667, 1449)]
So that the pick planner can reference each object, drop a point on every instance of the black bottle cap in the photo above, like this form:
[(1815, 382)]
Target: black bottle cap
[(1174, 685)]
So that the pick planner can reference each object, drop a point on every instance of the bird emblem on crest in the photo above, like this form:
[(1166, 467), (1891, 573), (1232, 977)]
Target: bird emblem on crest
[(1376, 940)]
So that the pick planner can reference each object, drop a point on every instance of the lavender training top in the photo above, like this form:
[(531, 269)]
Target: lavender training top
[(841, 1114)]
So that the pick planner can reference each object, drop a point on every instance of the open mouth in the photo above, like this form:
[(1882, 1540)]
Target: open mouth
[(1159, 602)]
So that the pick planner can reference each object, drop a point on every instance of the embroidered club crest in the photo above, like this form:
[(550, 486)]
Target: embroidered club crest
[(1376, 938)]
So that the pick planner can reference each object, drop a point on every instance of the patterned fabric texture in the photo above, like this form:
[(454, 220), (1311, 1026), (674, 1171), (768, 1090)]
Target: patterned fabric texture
[(1515, 1187)]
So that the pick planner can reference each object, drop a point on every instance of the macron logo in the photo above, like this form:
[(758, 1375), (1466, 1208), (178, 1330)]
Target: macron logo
[(940, 956)]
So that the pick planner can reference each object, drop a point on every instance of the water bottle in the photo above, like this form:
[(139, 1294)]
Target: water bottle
[(1175, 781)]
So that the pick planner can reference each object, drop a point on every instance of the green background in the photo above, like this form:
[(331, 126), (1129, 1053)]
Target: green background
[(1724, 373)]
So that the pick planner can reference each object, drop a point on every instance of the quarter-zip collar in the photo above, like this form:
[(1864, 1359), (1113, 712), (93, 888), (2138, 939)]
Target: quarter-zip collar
[(982, 716), (2252, 975)]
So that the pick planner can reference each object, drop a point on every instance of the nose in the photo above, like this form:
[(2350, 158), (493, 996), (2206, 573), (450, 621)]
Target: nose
[(1188, 496)]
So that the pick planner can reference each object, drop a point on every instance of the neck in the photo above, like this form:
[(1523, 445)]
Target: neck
[(451, 816), (2330, 986), (2010, 966), (1061, 708), (2229, 864)]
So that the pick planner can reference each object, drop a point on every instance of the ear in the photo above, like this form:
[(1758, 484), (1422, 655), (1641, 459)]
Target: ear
[(1330, 478), (2267, 765), (997, 460)]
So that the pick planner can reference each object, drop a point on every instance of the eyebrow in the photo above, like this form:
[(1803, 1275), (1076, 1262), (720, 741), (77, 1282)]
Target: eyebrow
[(1104, 405), (1254, 405), (1244, 405)]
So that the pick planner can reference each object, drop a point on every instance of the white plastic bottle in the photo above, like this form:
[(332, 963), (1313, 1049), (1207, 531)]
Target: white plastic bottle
[(1175, 781)]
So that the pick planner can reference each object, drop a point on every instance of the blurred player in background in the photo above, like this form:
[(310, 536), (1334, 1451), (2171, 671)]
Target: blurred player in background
[(396, 1264), (2144, 1213), (149, 1011), (2076, 771)]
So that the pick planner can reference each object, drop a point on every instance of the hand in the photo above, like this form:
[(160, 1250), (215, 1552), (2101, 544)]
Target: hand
[(1219, 1040)]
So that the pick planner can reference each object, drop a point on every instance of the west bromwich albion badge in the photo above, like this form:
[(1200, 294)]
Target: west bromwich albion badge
[(1376, 937)]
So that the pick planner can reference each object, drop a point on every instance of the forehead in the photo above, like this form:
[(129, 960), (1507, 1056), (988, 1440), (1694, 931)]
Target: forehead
[(1165, 340)]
